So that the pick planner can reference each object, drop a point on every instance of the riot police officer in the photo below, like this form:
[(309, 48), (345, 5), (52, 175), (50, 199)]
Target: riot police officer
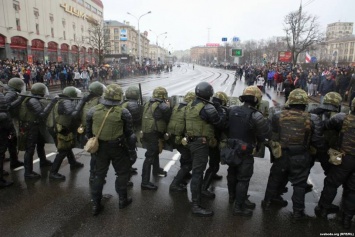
[(330, 106), (176, 130), (117, 144), (247, 126), (12, 89), (201, 118), (155, 118), (66, 117), (32, 116), (131, 103), (96, 89), (343, 173), (294, 128), (214, 153), (6, 131)]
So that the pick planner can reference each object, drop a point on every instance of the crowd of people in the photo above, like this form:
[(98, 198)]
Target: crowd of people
[(201, 127), (316, 82), (67, 75)]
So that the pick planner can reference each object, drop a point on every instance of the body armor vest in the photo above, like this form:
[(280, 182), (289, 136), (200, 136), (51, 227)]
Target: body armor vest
[(25, 114), (295, 128), (195, 125), (348, 135), (113, 127), (239, 118), (149, 124), (176, 124), (88, 105), (62, 119), (135, 110)]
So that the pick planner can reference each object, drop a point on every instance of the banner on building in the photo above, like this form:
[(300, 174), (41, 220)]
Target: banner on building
[(123, 35), (285, 56)]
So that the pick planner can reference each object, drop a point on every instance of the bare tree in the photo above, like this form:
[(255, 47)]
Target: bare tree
[(302, 32), (99, 38)]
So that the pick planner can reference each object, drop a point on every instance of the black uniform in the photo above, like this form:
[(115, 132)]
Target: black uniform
[(120, 151), (67, 117), (199, 148), (248, 125), (11, 96), (343, 173), (33, 115)]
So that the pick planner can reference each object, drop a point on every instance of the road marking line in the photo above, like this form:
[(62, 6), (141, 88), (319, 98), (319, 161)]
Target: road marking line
[(175, 158), (35, 161)]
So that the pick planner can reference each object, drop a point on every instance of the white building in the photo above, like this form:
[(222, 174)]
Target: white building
[(338, 30), (48, 30)]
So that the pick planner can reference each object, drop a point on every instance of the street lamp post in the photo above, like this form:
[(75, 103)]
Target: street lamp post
[(139, 35), (157, 36)]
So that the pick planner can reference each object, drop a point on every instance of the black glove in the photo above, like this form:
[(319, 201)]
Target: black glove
[(132, 156), (88, 97)]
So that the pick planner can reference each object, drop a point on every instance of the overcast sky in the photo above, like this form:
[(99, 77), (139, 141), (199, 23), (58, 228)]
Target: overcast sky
[(195, 22)]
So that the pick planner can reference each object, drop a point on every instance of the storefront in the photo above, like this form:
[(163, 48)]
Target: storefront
[(52, 51), (2, 47), (74, 54), (37, 51), (18, 48), (64, 51), (89, 56), (82, 55)]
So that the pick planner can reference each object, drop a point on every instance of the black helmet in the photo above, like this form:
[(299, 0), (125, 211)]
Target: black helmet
[(97, 88), (204, 90), (39, 89)]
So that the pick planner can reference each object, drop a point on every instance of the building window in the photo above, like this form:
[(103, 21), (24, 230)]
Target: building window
[(351, 51), (80, 2), (74, 37), (36, 13), (99, 13), (51, 17), (350, 58), (63, 22), (16, 5), (18, 25), (88, 6), (73, 26), (82, 28), (115, 30), (37, 29), (93, 9), (64, 36), (82, 38), (52, 32)]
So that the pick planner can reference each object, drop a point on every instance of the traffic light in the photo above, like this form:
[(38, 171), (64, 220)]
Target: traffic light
[(237, 52)]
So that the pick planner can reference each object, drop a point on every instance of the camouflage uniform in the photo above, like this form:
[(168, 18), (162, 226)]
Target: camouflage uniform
[(176, 129), (295, 130), (343, 173)]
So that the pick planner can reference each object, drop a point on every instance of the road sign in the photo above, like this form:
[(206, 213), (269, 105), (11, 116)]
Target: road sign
[(237, 53), (236, 39), (224, 39)]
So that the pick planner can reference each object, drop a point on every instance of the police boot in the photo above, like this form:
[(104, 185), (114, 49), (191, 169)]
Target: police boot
[(266, 205), (3, 182), (176, 187), (96, 207), (248, 204), (124, 201), (241, 210), (56, 176), (231, 184), (279, 201), (43, 161), (29, 173), (206, 183), (146, 185), (157, 170), (53, 174), (309, 188), (347, 219), (217, 177), (198, 210), (298, 214), (15, 164), (323, 212)]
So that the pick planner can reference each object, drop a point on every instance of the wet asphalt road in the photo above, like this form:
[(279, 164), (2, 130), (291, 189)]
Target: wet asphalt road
[(51, 208)]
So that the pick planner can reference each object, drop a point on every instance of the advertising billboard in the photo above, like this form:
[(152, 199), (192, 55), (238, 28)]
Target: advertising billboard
[(285, 56)]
